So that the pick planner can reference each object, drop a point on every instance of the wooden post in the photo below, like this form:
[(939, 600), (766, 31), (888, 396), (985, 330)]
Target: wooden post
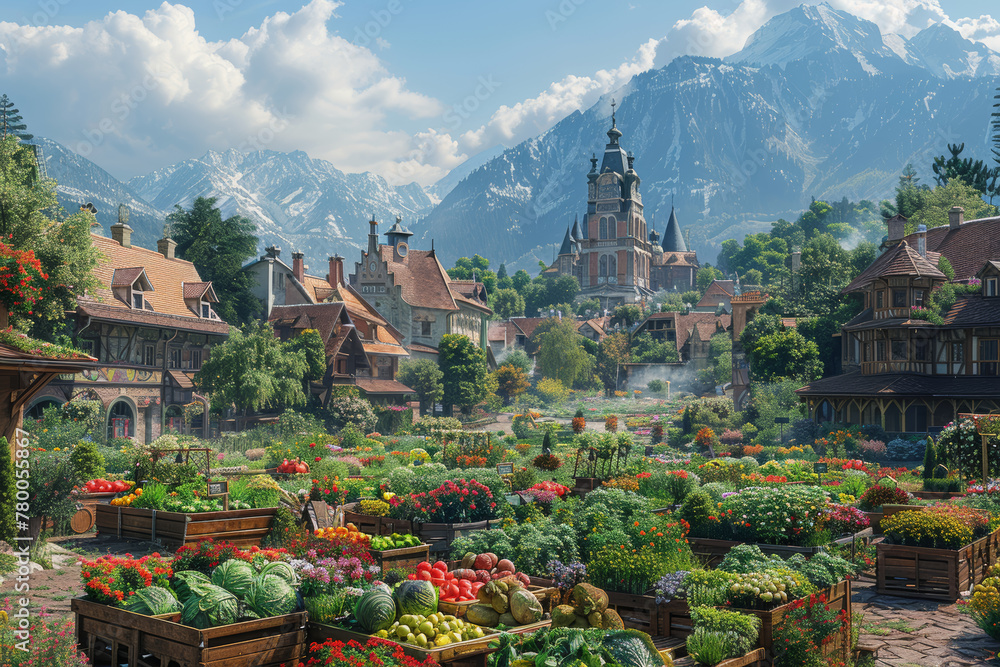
[(985, 457)]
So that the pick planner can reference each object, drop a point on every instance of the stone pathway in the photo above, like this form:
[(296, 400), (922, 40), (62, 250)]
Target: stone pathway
[(920, 633)]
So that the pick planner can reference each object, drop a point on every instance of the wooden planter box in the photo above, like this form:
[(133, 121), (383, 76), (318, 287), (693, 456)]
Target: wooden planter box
[(584, 485), (751, 659), (934, 574), (243, 528), (108, 634), (471, 653), (838, 597), (637, 611), (673, 619), (86, 513), (440, 535), (406, 557), (375, 525), (548, 597)]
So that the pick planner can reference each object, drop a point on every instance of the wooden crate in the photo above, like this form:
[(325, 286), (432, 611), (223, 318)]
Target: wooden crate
[(711, 552), (375, 525), (838, 598), (547, 596), (471, 653), (440, 535), (112, 636), (243, 528), (751, 659), (405, 557), (673, 619), (934, 574), (637, 611)]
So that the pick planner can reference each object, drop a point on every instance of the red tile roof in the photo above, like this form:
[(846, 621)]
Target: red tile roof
[(196, 290), (420, 347), (167, 276), (968, 247), (706, 323), (675, 259), (899, 260), (718, 291), (323, 317), (110, 313), (423, 280)]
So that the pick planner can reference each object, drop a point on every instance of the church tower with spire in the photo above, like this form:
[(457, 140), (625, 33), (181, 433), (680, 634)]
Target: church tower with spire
[(676, 266), (615, 253)]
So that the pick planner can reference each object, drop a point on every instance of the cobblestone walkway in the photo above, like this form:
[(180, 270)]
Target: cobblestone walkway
[(920, 633)]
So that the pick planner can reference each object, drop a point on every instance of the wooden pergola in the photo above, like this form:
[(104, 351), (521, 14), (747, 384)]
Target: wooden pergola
[(22, 376)]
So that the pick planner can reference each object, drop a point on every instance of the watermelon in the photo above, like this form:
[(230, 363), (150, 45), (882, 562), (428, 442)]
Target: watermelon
[(416, 597), (375, 611)]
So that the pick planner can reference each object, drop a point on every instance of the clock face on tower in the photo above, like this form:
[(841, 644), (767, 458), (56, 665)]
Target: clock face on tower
[(402, 249)]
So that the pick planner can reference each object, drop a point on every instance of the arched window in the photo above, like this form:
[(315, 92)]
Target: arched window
[(604, 265), (612, 265), (604, 228), (612, 227), (121, 420)]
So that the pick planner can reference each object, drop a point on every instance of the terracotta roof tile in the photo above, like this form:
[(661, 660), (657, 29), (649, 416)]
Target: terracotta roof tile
[(675, 259), (527, 325), (968, 247), (196, 290), (707, 321), (382, 386), (323, 317), (501, 332), (110, 313), (420, 347), (124, 277), (899, 260), (167, 276), (423, 280)]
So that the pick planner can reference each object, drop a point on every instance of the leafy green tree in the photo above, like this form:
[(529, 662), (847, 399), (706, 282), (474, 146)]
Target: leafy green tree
[(254, 371), (463, 365), (10, 121), (520, 359), (612, 351), (761, 325), (909, 195), (560, 354), (508, 303), (218, 248), (592, 304), (706, 275), (720, 354), (536, 297), (645, 350), (29, 220), (862, 256), (511, 381), (564, 290), (977, 174), (425, 378), (785, 354), (821, 331), (814, 219), (626, 314), (310, 343), (521, 279), (824, 263), (941, 199), (8, 500)]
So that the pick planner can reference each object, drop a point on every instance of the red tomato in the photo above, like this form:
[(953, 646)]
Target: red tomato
[(449, 576), (411, 577), (441, 565), (424, 575), (476, 585), (423, 566)]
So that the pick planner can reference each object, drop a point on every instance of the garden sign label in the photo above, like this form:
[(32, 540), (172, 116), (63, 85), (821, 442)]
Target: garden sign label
[(505, 468)]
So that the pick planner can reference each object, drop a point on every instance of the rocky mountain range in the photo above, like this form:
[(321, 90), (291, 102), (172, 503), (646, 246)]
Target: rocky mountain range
[(818, 103)]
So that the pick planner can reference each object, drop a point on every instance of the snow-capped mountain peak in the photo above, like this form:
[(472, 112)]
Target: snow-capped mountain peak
[(942, 50)]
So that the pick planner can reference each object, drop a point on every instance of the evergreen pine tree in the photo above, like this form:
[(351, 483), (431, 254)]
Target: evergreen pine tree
[(930, 459), (547, 443), (8, 529), (10, 121)]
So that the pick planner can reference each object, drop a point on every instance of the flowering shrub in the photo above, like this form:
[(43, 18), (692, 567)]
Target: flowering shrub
[(611, 423), (845, 519), (53, 640), (351, 410), (208, 554), (328, 574), (960, 447), (547, 462), (704, 437), (941, 527), (376, 652), (452, 502), (522, 448), (21, 277), (756, 479), (328, 544), (469, 450), (809, 624), (871, 447), (625, 483), (566, 576), (559, 490), (781, 515), (113, 579), (904, 450), (752, 450), (730, 436), (579, 424), (984, 606), (879, 495)]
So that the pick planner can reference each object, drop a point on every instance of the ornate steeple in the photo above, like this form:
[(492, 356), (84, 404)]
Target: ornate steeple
[(614, 134), (673, 239)]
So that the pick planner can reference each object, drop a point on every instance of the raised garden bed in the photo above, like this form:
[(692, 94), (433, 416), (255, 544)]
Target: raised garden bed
[(375, 525), (711, 552), (112, 636), (547, 596), (243, 528), (471, 653), (405, 557), (440, 535), (751, 659), (637, 611), (934, 574)]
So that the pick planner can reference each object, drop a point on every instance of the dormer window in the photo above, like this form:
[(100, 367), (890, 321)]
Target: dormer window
[(137, 299), (199, 298), (990, 287), (206, 310)]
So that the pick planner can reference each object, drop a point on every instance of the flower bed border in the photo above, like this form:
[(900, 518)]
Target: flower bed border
[(266, 642), (934, 574), (243, 528)]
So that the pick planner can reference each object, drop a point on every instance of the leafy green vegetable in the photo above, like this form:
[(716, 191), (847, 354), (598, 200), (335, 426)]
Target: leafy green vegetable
[(281, 569), (416, 597), (210, 607), (234, 575), (271, 595), (189, 582), (631, 648), (152, 601)]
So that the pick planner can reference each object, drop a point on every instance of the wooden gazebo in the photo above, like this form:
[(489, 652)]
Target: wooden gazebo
[(23, 375)]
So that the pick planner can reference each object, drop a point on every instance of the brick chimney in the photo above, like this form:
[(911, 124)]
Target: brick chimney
[(956, 216), (166, 246), (298, 266), (922, 240), (336, 275), (897, 229), (121, 233)]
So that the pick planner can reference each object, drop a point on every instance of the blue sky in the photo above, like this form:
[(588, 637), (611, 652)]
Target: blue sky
[(406, 89)]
